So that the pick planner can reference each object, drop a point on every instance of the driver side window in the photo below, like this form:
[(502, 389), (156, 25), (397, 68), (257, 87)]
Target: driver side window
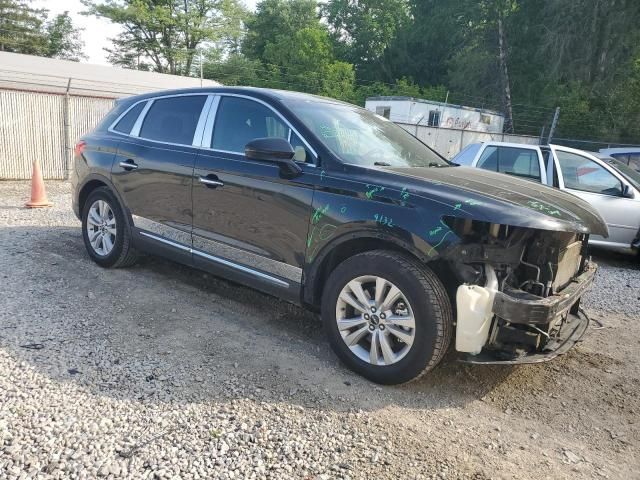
[(581, 173), (239, 120)]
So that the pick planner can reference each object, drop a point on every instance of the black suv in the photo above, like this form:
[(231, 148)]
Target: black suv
[(334, 208)]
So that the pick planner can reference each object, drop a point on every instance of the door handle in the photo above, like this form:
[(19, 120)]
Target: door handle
[(211, 181), (129, 165)]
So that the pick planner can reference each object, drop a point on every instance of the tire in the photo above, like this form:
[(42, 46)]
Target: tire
[(122, 253), (426, 302)]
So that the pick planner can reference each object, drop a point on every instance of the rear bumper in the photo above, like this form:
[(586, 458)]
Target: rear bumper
[(572, 332), (535, 311)]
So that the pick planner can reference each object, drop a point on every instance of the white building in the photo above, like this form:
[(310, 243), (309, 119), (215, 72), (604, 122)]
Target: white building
[(415, 111), (28, 73)]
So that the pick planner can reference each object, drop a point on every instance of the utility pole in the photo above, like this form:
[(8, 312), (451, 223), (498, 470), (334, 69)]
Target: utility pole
[(67, 132), (446, 101), (554, 124), (200, 67)]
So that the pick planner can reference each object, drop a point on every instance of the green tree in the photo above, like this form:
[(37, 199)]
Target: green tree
[(363, 31), (64, 39), (277, 18), (167, 34), (20, 28), (27, 30)]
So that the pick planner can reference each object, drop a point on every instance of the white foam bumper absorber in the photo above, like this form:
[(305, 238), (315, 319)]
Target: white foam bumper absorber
[(475, 313)]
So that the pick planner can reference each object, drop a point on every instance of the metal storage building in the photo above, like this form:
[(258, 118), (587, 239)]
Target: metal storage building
[(47, 104), (416, 111)]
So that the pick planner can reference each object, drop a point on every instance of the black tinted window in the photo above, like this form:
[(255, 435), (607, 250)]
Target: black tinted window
[(126, 123), (239, 121), (173, 119)]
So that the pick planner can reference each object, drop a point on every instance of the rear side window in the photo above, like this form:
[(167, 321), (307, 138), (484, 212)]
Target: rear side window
[(126, 123), (519, 162), (240, 120), (173, 120)]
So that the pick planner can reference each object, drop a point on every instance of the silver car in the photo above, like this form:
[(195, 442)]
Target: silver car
[(612, 187)]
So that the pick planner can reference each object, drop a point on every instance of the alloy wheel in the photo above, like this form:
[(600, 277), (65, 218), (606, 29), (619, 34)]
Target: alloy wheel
[(101, 227), (375, 320)]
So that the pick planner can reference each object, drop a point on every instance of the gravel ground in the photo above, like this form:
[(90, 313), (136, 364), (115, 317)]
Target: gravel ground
[(163, 371)]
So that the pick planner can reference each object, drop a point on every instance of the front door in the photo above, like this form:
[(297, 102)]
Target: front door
[(601, 187), (248, 220), (154, 168)]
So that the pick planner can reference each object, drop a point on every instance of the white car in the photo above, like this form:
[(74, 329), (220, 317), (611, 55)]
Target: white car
[(609, 186)]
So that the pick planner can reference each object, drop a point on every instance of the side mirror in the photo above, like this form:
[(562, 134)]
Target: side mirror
[(276, 150), (627, 191)]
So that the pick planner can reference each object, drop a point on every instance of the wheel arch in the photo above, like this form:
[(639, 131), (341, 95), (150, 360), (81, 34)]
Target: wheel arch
[(341, 248), (90, 184)]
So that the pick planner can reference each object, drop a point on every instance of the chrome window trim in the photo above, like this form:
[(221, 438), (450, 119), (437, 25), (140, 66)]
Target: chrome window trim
[(211, 117), (135, 131), (121, 116), (221, 261), (207, 146), (202, 120), (209, 125)]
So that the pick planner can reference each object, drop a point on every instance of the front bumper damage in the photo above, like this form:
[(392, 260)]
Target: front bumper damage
[(518, 310)]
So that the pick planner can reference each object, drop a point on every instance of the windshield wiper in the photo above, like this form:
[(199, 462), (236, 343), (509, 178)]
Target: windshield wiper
[(382, 164)]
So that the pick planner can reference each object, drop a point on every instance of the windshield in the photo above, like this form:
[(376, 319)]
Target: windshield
[(360, 137), (630, 174)]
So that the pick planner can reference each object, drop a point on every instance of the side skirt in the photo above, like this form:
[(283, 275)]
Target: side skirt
[(283, 288)]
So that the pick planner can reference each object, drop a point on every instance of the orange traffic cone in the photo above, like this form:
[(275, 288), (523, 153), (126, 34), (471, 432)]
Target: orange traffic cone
[(38, 193)]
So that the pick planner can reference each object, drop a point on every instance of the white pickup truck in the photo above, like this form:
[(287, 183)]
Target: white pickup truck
[(610, 186)]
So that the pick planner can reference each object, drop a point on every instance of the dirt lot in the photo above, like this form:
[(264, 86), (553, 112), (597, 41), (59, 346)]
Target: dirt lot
[(159, 370)]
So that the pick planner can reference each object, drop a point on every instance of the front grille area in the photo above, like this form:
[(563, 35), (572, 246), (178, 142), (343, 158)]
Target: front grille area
[(550, 262), (567, 266)]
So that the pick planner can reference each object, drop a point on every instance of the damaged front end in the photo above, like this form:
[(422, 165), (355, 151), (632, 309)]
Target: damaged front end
[(519, 298)]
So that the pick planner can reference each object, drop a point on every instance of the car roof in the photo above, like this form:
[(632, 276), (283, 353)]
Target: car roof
[(609, 151), (512, 144), (264, 93)]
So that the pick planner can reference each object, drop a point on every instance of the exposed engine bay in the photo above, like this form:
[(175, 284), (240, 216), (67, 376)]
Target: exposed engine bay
[(519, 294)]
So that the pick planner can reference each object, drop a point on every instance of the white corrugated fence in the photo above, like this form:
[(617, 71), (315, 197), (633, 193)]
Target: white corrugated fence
[(32, 126)]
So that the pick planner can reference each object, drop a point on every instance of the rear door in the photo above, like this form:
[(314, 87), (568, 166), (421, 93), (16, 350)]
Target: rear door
[(595, 182), (154, 168)]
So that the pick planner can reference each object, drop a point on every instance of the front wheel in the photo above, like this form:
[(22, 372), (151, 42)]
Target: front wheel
[(387, 316)]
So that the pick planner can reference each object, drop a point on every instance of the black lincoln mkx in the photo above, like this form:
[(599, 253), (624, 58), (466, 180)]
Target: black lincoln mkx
[(331, 207)]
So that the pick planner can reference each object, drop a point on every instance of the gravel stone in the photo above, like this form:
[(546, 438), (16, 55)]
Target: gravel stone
[(178, 374)]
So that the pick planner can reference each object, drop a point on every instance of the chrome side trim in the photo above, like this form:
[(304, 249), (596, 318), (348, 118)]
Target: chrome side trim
[(166, 231), (179, 239), (168, 242), (242, 268), (275, 267)]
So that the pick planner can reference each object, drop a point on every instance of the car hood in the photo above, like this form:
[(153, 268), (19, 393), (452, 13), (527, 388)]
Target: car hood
[(503, 199)]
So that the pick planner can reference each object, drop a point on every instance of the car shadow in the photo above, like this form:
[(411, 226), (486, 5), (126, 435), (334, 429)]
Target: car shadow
[(160, 331)]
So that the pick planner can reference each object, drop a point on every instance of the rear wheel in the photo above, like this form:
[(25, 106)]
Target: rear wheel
[(105, 230), (387, 316)]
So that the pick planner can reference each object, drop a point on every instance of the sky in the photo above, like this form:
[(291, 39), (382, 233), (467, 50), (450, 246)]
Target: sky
[(96, 31)]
